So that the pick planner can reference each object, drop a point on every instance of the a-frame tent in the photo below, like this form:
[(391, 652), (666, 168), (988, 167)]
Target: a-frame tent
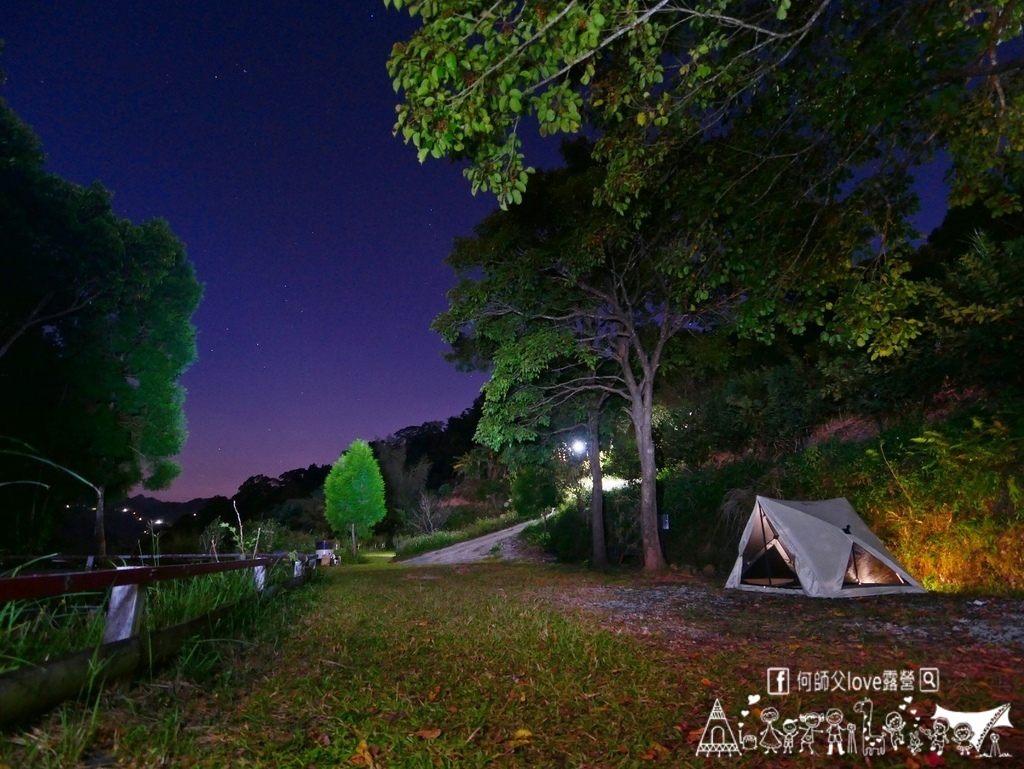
[(822, 548)]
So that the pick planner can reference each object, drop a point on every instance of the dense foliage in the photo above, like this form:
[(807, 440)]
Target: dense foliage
[(95, 330)]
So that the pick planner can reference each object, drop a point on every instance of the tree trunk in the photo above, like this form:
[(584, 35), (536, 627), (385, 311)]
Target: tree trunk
[(599, 550), (642, 413), (100, 532), (355, 553)]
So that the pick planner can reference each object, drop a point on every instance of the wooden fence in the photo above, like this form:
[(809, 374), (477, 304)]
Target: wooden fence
[(32, 688)]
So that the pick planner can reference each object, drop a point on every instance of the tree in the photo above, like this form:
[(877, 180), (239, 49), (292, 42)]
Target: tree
[(404, 485), (354, 492), (551, 289), (95, 329), (648, 76)]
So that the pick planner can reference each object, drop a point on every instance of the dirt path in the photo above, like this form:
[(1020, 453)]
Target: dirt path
[(479, 549)]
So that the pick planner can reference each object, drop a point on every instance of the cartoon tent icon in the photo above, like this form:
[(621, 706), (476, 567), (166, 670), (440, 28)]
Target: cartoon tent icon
[(718, 738)]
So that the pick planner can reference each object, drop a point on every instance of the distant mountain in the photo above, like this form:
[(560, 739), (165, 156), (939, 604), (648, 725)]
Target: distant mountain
[(152, 509)]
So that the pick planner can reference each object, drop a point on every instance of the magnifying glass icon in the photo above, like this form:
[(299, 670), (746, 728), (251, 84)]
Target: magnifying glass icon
[(929, 680)]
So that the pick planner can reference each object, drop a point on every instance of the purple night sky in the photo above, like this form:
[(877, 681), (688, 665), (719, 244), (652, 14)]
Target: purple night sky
[(263, 135)]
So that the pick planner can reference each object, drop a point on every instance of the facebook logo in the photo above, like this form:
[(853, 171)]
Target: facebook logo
[(778, 680)]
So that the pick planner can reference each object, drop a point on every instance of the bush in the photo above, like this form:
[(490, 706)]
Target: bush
[(946, 498)]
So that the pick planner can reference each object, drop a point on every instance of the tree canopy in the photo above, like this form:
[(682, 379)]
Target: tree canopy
[(873, 85), (95, 329)]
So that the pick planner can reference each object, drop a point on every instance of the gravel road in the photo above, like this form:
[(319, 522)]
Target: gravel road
[(479, 549)]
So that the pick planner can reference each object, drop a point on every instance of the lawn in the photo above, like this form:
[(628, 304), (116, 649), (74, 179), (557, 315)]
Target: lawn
[(503, 664)]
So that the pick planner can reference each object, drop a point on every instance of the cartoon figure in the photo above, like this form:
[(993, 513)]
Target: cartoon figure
[(771, 737), (789, 729), (914, 743), (962, 735), (834, 719), (938, 734), (894, 728), (811, 722)]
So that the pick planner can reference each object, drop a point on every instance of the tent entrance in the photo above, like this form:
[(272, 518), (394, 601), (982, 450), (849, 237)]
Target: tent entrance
[(766, 563), (865, 569)]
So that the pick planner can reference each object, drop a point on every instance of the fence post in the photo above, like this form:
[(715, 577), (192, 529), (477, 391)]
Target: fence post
[(125, 611), (260, 577)]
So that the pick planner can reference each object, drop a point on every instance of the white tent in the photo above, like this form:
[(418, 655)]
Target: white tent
[(822, 548)]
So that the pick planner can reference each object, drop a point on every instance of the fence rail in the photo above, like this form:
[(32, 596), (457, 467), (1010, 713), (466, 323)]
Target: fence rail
[(35, 687), (31, 586)]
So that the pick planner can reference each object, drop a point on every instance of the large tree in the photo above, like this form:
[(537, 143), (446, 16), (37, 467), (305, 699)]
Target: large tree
[(95, 329), (563, 303), (354, 492)]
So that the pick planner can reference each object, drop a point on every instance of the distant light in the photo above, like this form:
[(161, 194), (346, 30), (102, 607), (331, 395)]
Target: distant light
[(158, 521), (579, 446)]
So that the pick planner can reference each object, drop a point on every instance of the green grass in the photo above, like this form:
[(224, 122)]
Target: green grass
[(379, 665), (406, 547)]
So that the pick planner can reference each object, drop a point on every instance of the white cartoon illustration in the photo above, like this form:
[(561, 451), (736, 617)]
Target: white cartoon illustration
[(771, 738), (981, 722), (812, 722), (871, 744), (789, 730), (718, 738), (938, 735), (894, 729), (834, 730), (962, 736)]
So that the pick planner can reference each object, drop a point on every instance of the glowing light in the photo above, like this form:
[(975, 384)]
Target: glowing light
[(579, 446)]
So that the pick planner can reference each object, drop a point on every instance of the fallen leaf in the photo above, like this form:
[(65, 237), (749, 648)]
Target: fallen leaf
[(434, 693), (706, 681), (363, 756), (522, 734), (428, 734)]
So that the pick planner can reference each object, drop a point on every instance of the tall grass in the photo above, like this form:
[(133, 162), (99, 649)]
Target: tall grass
[(33, 631), (73, 734)]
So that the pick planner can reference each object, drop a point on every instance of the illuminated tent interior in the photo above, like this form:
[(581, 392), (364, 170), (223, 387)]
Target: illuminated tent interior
[(822, 549)]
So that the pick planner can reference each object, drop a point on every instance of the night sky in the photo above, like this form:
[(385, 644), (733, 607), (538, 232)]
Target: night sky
[(263, 133)]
